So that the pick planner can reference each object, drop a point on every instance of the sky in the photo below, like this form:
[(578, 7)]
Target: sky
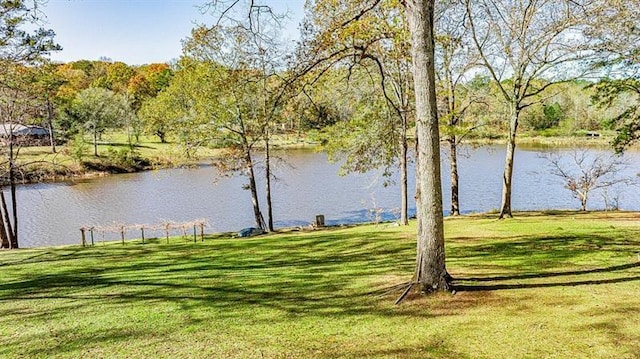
[(136, 31)]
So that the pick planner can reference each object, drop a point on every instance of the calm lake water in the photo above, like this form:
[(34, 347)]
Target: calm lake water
[(51, 214)]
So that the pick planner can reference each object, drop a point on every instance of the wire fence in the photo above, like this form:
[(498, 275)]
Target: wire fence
[(167, 228)]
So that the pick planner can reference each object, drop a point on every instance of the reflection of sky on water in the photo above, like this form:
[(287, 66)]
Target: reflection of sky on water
[(52, 214)]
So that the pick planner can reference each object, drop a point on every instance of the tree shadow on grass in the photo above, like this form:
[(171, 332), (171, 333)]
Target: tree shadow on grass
[(542, 260), (124, 145), (70, 253), (303, 272), (493, 287), (553, 247), (32, 347), (564, 213), (623, 273), (432, 348), (327, 275), (554, 274), (310, 274), (300, 273)]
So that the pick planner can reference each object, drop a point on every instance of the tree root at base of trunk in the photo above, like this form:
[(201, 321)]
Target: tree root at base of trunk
[(448, 288), (445, 285), (405, 293)]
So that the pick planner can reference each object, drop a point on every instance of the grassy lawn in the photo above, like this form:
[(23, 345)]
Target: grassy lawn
[(148, 147), (553, 285), (45, 165)]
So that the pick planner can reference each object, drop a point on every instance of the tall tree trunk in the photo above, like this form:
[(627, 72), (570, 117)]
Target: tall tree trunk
[(431, 273), (14, 211), (6, 221), (453, 159), (95, 142), (4, 239), (129, 141), (254, 191), (52, 138), (13, 235), (404, 206), (453, 122), (267, 160), (505, 207)]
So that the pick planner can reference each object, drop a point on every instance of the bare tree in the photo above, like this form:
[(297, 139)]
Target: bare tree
[(584, 173), (527, 46)]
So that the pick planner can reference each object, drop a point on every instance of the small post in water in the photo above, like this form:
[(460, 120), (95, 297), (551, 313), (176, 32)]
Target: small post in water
[(142, 230), (122, 234), (202, 232), (91, 232), (195, 237)]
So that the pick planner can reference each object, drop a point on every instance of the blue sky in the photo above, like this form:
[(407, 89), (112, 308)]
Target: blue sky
[(134, 31)]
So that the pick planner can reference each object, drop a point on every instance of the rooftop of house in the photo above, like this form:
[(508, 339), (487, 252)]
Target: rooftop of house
[(22, 130)]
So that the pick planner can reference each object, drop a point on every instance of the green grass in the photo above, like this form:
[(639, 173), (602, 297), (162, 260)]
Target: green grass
[(552, 285), (147, 147), (45, 165)]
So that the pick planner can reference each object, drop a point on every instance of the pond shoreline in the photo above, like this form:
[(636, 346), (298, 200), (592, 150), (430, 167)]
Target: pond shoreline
[(55, 173), (308, 185)]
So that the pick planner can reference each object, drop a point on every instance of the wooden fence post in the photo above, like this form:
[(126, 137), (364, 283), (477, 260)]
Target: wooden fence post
[(122, 228)]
